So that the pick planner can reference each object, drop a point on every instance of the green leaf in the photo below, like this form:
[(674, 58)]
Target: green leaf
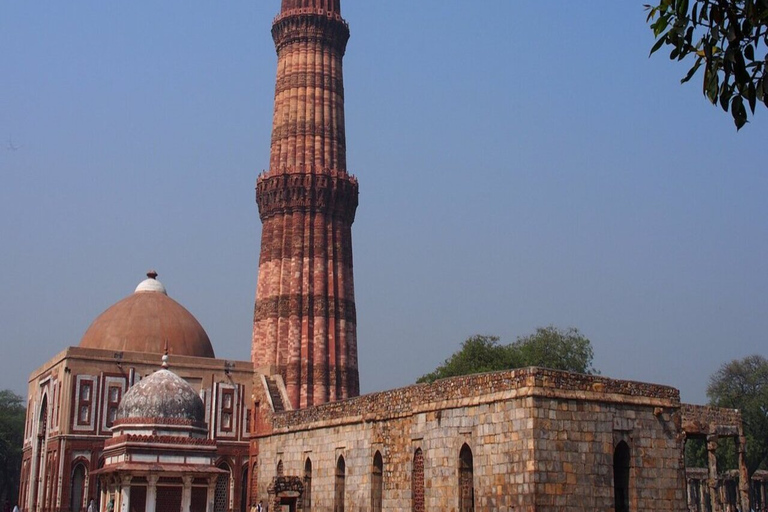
[(738, 112), (658, 45), (749, 52), (752, 97), (692, 71)]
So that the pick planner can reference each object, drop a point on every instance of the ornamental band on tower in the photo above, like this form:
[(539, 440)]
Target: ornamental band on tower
[(304, 326)]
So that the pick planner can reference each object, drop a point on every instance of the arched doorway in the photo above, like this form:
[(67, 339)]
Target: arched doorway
[(244, 489), (221, 495), (307, 505), (77, 489), (621, 463), (466, 480), (339, 491), (377, 482)]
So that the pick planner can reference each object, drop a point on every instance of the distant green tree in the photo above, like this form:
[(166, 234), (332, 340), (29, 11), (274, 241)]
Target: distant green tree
[(728, 38), (696, 453), (478, 354), (12, 413), (548, 347), (743, 384), (558, 349)]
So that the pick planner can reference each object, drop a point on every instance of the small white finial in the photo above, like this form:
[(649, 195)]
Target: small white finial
[(151, 284), (165, 356)]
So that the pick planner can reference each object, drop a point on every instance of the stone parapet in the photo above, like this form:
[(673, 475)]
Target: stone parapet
[(312, 26), (478, 389)]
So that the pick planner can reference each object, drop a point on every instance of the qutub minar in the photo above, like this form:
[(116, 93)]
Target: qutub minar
[(287, 430), (304, 325)]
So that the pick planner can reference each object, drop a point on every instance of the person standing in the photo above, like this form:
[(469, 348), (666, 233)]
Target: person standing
[(91, 506)]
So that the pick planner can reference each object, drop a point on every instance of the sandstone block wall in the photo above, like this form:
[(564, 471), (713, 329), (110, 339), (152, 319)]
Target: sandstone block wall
[(540, 441)]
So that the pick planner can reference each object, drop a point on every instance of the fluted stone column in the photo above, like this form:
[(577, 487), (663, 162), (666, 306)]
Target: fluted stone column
[(305, 322)]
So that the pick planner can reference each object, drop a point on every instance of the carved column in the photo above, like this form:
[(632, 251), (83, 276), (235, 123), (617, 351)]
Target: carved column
[(125, 493), (151, 502), (714, 494), (211, 496), (186, 493)]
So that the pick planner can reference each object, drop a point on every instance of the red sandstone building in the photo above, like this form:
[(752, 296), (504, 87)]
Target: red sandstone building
[(74, 399)]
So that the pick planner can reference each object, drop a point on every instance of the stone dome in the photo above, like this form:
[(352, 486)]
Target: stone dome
[(145, 321), (162, 396)]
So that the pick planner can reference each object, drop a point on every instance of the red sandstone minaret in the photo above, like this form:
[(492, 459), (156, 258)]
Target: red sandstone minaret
[(304, 325)]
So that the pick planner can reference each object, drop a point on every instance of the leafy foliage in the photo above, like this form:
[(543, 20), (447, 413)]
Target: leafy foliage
[(548, 347), (478, 354), (12, 413), (743, 384), (727, 38)]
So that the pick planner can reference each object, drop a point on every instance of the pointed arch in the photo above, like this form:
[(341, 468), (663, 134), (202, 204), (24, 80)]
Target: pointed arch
[(417, 482), (221, 498), (280, 470), (377, 482), (307, 497), (466, 480), (621, 468), (339, 485), (77, 487), (244, 488)]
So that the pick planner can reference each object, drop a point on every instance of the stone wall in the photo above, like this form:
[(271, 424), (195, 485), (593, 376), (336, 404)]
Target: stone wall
[(540, 440)]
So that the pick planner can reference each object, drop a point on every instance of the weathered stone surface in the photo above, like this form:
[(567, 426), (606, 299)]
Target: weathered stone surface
[(162, 395), (540, 440)]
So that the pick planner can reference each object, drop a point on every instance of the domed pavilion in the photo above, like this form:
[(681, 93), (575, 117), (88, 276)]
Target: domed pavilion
[(160, 456), (103, 420)]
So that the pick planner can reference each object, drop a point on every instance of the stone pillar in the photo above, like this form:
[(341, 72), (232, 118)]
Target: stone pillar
[(211, 492), (762, 494), (714, 494), (186, 493), (125, 493), (151, 502), (741, 448)]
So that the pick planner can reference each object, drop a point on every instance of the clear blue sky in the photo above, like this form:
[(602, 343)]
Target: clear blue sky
[(520, 164)]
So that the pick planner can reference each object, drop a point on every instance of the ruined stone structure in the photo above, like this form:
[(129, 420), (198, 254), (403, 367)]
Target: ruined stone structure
[(304, 326)]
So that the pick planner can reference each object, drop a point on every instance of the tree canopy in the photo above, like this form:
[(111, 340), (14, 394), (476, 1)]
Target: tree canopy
[(743, 384), (12, 413), (548, 347), (728, 38)]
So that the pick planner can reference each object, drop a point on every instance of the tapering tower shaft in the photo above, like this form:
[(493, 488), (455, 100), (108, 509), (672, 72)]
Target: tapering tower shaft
[(304, 320)]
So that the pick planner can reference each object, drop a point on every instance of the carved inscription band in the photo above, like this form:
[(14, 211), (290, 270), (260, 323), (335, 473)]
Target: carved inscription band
[(288, 193), (285, 306)]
